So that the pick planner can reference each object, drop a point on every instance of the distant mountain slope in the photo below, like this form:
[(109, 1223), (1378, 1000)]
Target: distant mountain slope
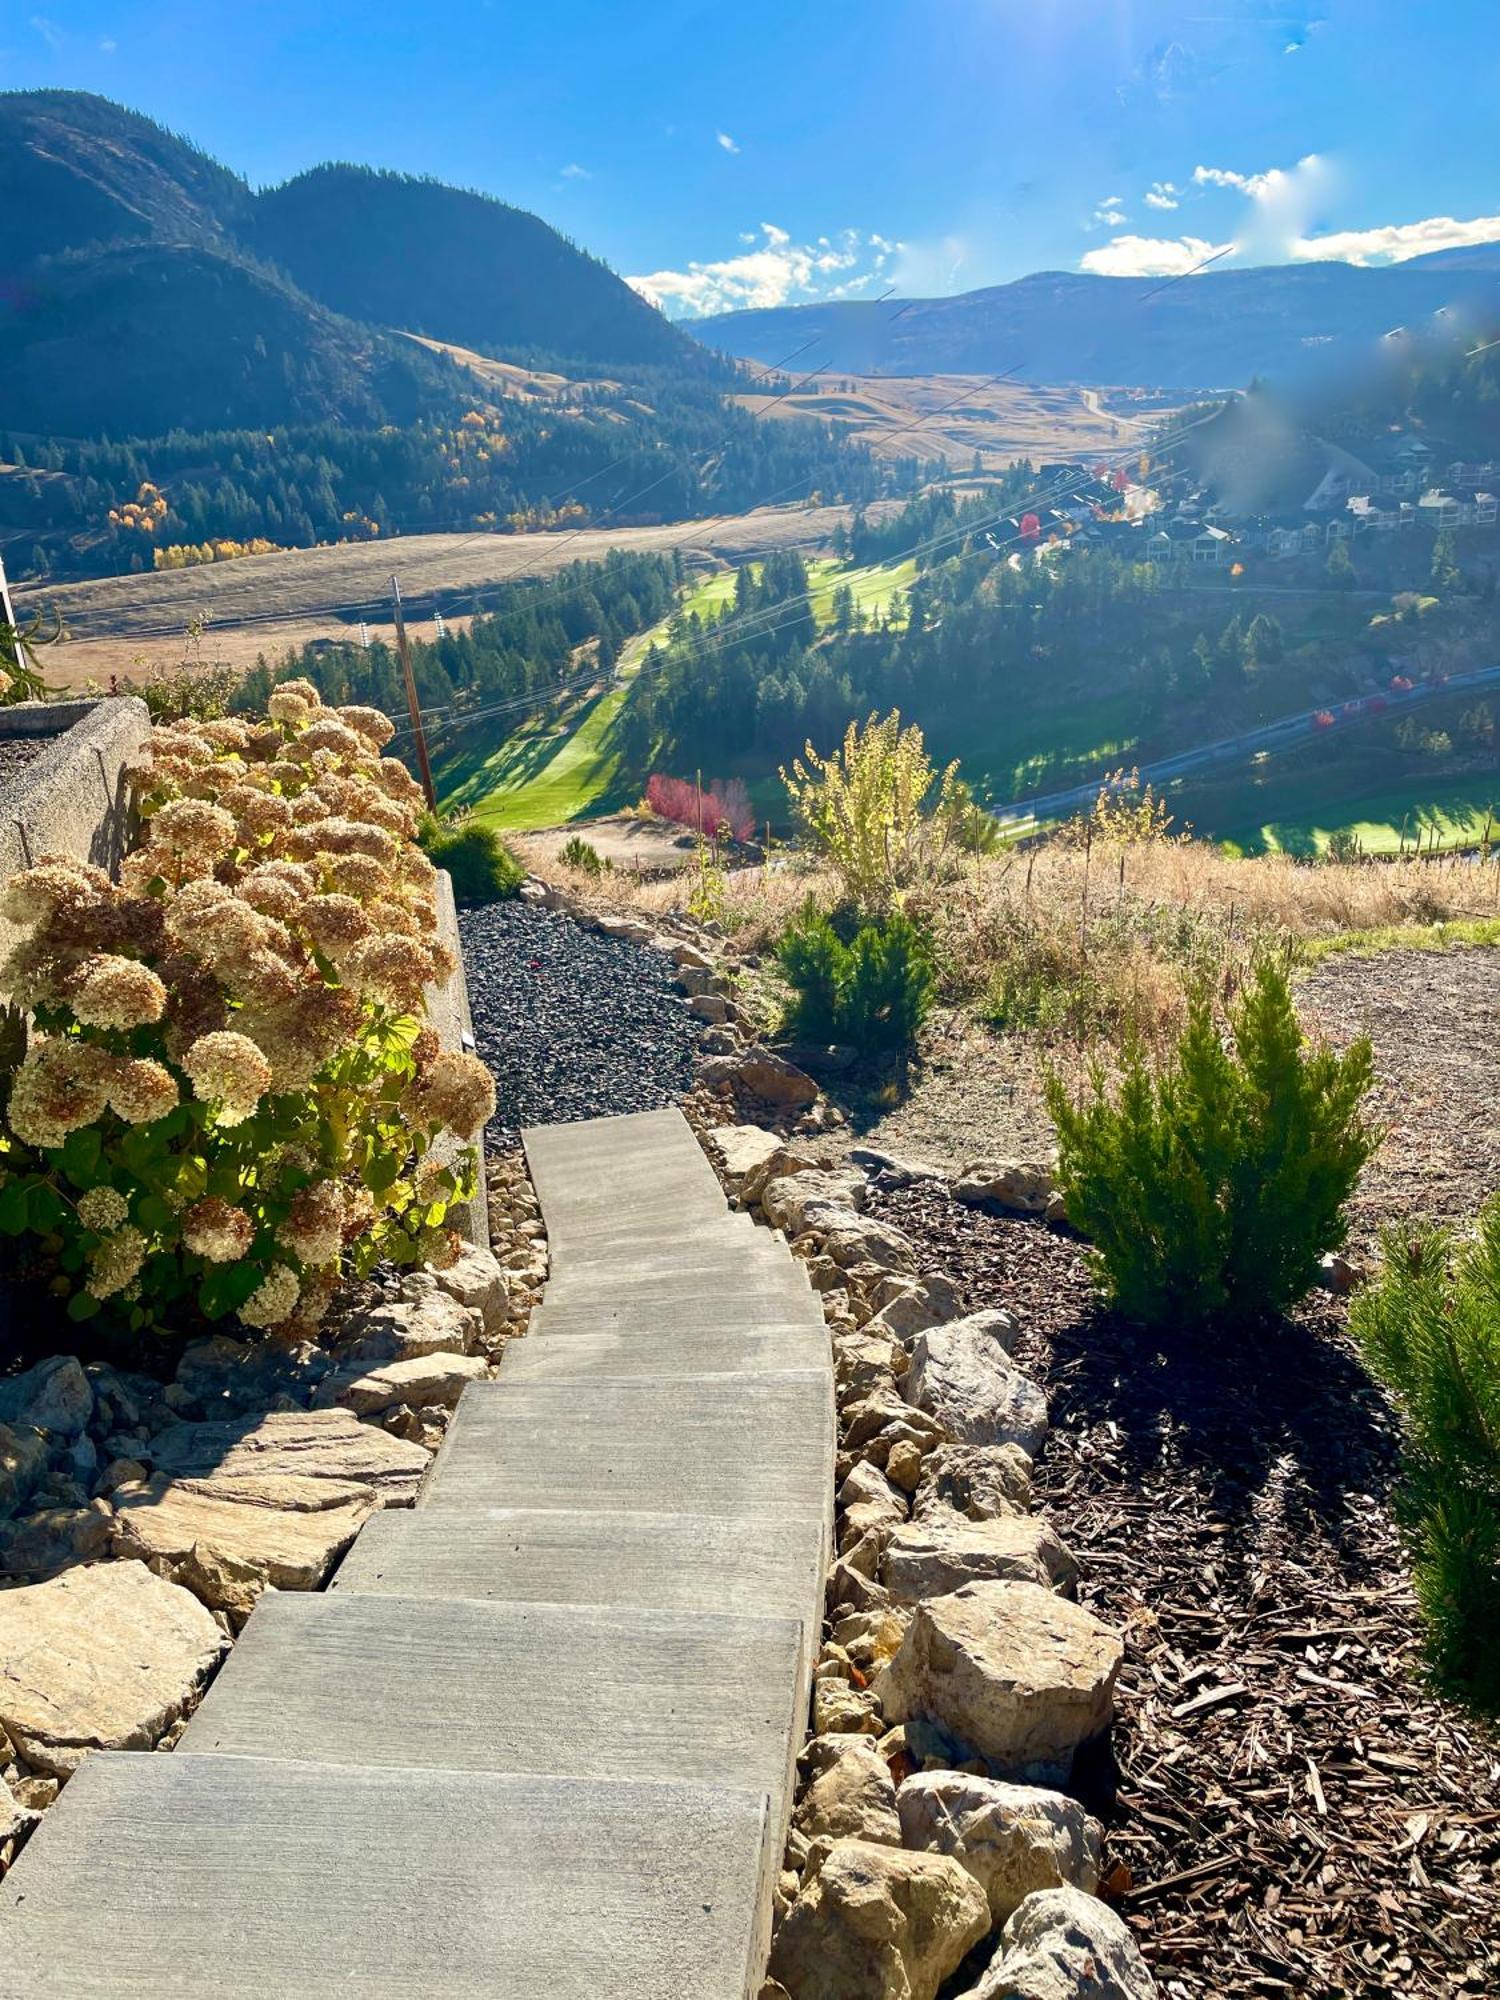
[(438, 260), (144, 288), (1216, 330)]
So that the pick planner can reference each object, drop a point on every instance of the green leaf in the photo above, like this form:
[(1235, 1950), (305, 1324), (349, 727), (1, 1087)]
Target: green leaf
[(82, 1305), (80, 1154), (15, 1205)]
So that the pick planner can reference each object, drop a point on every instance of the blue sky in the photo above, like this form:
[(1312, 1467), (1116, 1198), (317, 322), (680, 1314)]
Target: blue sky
[(724, 155)]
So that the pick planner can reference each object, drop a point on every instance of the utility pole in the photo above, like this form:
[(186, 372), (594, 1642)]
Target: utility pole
[(423, 763), (7, 609)]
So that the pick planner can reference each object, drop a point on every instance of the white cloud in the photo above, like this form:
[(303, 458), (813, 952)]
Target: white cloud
[(108, 46), (775, 272), (1151, 256), (726, 142), (49, 31), (1110, 212), (1394, 242), (573, 172), (1161, 194)]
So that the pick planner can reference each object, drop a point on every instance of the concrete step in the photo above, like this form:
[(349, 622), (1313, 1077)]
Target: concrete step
[(671, 1562), (210, 1878), (571, 1690), (752, 1447), (620, 1350), (702, 1298)]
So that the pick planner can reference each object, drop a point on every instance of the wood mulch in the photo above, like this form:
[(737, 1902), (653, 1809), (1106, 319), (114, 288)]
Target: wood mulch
[(1289, 1809)]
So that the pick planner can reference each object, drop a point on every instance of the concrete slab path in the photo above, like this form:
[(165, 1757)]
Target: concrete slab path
[(539, 1737)]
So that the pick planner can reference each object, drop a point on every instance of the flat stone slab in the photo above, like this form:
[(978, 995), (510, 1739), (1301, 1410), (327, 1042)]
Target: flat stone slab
[(578, 1691), (208, 1878), (100, 1658), (673, 1562), (313, 1444), (250, 1533), (739, 1149), (751, 1447), (620, 1351)]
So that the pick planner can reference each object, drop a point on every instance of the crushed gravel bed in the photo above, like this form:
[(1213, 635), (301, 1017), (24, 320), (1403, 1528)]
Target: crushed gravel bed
[(571, 1024), (1431, 1017), (1290, 1810)]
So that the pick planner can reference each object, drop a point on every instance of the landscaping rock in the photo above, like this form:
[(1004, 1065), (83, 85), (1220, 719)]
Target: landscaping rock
[(23, 1460), (763, 1074), (962, 1375), (330, 1445), (824, 1198), (16, 1823), (1064, 1945), (710, 1008), (866, 1361), (738, 1149), (982, 1482), (41, 1544), (914, 1306), (932, 1557), (859, 1239), (839, 1708), (105, 1658), (54, 1396), (869, 1501), (1021, 1187), (439, 1378), (850, 1795), (475, 1281), (890, 1170), (789, 1158), (231, 1537), (223, 1376), (407, 1330), (878, 1924), (1013, 1839), (1022, 1676)]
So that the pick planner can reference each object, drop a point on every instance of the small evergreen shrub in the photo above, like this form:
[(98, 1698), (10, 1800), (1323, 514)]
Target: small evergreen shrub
[(1429, 1329), (483, 868), (873, 992), (1211, 1186), (580, 854)]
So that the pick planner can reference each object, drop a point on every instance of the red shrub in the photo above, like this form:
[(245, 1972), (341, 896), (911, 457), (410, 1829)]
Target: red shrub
[(703, 810)]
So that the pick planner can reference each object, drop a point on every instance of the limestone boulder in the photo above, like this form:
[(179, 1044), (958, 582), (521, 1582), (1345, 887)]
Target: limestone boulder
[(104, 1658), (866, 1361), (23, 1460), (222, 1376), (850, 1794), (878, 1924), (1022, 1676), (331, 1445), (54, 1396), (943, 1552), (894, 1170), (1021, 1187), (982, 1482), (869, 1502), (1013, 1839), (425, 1322), (763, 1074), (1064, 1945), (737, 1150), (795, 1202), (911, 1306), (790, 1157), (839, 1709), (16, 1823), (233, 1536), (423, 1380), (54, 1539), (852, 1240), (476, 1282), (962, 1375)]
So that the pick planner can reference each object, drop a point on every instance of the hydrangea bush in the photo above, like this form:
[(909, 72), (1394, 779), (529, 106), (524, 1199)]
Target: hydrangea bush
[(230, 1095)]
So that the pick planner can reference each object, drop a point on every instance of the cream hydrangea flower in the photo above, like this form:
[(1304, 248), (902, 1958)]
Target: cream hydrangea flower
[(229, 1071), (274, 1298), (371, 723), (456, 1094), (62, 1086), (112, 992), (102, 1209), (314, 1227), (116, 1262)]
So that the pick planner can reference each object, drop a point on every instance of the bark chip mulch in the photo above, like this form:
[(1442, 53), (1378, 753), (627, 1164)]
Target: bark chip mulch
[(1289, 1809)]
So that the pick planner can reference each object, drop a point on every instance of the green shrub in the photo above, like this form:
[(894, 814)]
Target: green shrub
[(580, 854), (1211, 1185), (873, 992), (483, 868), (1429, 1329)]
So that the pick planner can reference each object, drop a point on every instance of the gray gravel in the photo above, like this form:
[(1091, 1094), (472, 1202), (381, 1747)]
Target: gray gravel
[(572, 1025)]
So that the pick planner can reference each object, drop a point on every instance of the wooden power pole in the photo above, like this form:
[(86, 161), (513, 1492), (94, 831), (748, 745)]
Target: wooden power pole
[(424, 764)]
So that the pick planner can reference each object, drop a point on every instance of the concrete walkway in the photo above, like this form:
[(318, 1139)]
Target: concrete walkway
[(540, 1736)]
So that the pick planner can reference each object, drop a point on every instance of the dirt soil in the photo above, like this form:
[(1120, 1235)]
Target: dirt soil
[(643, 845), (1289, 1810)]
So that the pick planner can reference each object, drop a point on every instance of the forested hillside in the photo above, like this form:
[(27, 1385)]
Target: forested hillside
[(191, 367)]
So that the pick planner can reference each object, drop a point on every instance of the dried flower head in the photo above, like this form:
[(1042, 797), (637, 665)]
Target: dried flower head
[(116, 1261), (141, 1091), (369, 723), (62, 1086), (456, 1094), (110, 992), (192, 828), (229, 1071), (394, 971), (335, 924), (217, 1230), (289, 707), (314, 1227), (36, 895)]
